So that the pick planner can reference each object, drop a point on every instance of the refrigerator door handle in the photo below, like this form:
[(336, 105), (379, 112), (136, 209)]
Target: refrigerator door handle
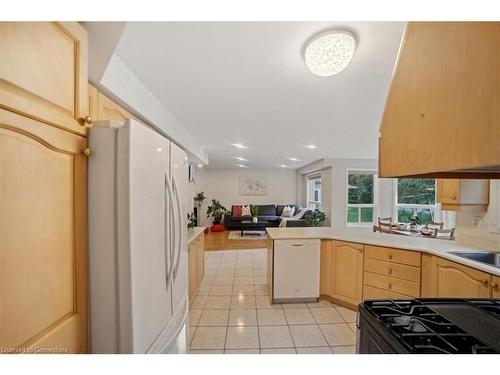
[(180, 221), (167, 217)]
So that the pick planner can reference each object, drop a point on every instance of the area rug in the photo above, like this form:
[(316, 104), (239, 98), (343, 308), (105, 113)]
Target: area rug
[(247, 235)]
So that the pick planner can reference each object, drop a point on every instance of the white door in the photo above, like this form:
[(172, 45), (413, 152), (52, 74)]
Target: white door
[(180, 181), (147, 176)]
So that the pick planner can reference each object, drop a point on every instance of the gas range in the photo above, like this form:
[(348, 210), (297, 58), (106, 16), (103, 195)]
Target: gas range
[(424, 326)]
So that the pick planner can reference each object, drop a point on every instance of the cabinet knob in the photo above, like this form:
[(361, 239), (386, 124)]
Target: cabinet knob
[(85, 121), (486, 283), (389, 256), (389, 285), (86, 151), (493, 285), (389, 271)]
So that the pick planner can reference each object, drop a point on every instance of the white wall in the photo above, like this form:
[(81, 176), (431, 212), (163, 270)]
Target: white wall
[(334, 187), (223, 184), (482, 230)]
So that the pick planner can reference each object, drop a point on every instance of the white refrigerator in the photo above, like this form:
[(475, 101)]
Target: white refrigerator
[(138, 184)]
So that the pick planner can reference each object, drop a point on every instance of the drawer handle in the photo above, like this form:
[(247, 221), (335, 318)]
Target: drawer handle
[(389, 256), (389, 271), (389, 286), (297, 244), (494, 285)]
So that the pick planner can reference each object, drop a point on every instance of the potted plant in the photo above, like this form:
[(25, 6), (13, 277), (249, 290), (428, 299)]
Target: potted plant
[(255, 212), (216, 210), (316, 218), (191, 220), (415, 221)]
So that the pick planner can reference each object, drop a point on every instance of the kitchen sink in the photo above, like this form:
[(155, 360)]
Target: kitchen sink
[(490, 258)]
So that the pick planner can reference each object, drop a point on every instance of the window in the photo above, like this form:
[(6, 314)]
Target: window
[(314, 192), (360, 197), (415, 198)]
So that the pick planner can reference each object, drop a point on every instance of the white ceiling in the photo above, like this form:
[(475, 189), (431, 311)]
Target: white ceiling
[(247, 82)]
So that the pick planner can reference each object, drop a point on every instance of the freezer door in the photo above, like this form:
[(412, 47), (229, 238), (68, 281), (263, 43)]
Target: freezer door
[(180, 187), (143, 238)]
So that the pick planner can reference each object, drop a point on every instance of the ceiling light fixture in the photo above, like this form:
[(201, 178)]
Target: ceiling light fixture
[(293, 159), (283, 165), (241, 165), (311, 147), (200, 165), (330, 53), (238, 145), (240, 158)]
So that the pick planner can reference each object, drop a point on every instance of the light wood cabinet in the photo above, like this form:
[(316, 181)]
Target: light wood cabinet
[(43, 233), (495, 287), (463, 195), (391, 273), (196, 263), (326, 267), (107, 109), (442, 114), (43, 72), (346, 272), (444, 278)]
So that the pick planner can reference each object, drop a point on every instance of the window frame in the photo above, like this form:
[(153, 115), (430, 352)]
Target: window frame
[(374, 205), (436, 208), (310, 192)]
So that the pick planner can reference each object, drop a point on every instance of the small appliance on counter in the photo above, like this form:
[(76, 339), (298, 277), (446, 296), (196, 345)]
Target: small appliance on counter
[(427, 326)]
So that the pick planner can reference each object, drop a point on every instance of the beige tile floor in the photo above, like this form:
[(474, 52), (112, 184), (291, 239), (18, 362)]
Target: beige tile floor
[(232, 313)]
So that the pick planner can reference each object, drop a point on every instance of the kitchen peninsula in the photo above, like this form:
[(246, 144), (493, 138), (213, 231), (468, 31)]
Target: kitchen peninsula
[(357, 264)]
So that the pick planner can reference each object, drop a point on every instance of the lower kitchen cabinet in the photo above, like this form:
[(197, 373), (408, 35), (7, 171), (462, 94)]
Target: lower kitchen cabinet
[(196, 263), (444, 278), (342, 271), (495, 287)]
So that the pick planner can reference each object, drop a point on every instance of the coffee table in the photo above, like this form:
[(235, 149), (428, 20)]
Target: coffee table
[(250, 225)]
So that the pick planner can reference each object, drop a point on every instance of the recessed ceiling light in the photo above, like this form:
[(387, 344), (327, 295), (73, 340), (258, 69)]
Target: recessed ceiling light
[(200, 165), (283, 165), (238, 145), (330, 53), (311, 147), (240, 158), (241, 165), (293, 159)]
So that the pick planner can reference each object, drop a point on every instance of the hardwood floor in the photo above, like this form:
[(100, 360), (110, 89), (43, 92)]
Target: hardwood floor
[(219, 241)]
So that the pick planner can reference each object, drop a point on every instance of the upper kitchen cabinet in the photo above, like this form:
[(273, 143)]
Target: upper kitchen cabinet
[(463, 195), (441, 117), (43, 72)]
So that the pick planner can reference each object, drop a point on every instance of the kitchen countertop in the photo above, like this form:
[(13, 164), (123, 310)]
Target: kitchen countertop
[(367, 236), (194, 232)]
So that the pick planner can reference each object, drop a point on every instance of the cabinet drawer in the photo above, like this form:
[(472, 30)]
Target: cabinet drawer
[(370, 292), (400, 271), (411, 258), (392, 284)]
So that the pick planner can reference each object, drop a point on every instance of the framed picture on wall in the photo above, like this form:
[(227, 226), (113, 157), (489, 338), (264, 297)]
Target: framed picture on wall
[(253, 186)]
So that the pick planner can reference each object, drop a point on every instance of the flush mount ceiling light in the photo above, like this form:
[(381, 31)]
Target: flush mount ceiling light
[(283, 165), (330, 53), (240, 158), (241, 165), (293, 159), (238, 145), (311, 147)]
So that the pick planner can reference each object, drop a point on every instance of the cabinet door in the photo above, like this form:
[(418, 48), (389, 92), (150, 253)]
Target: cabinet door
[(495, 287), (326, 267), (347, 278), (192, 269), (43, 236), (43, 72), (442, 278), (448, 191), (200, 259), (442, 111)]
